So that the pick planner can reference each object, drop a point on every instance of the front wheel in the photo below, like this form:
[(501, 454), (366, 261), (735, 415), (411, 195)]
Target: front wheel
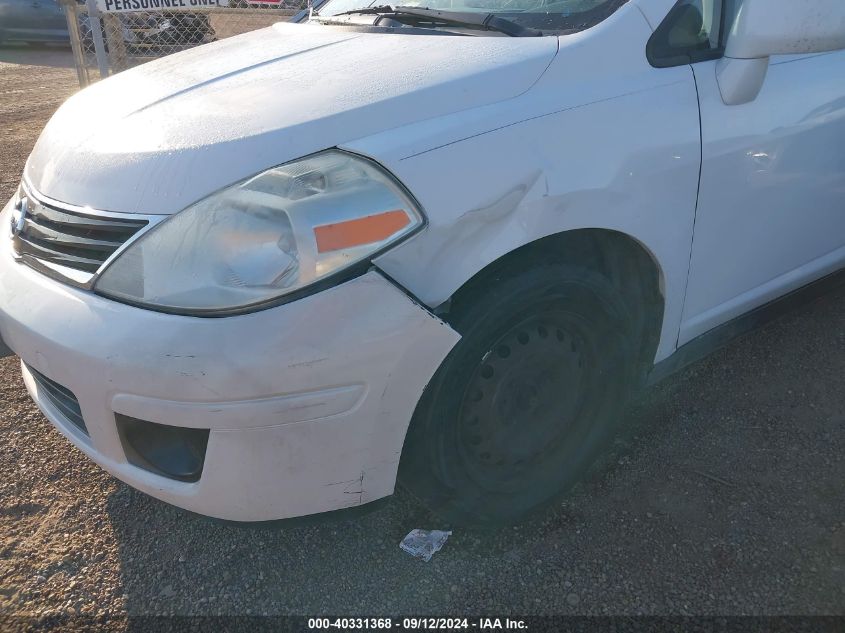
[(526, 400)]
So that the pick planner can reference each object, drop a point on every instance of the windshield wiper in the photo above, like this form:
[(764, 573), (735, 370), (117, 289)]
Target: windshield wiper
[(487, 21)]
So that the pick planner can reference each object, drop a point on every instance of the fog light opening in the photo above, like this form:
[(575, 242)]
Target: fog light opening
[(171, 451)]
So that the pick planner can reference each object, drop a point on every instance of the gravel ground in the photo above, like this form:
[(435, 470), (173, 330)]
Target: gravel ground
[(725, 497)]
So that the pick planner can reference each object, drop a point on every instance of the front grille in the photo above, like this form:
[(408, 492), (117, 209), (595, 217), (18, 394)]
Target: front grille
[(61, 398), (72, 239)]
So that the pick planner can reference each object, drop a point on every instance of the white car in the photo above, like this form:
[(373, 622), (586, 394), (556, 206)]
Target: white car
[(269, 276)]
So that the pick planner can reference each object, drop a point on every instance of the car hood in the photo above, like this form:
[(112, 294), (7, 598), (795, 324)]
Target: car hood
[(161, 136)]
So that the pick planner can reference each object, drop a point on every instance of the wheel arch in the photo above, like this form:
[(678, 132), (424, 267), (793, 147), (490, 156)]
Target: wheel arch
[(626, 261)]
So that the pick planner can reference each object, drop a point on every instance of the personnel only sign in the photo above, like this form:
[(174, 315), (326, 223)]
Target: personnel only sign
[(119, 6)]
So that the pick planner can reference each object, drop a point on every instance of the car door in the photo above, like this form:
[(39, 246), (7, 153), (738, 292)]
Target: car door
[(33, 20), (13, 14), (50, 14), (47, 20), (771, 207)]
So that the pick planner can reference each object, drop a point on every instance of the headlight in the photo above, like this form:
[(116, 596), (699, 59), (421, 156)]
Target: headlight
[(259, 241)]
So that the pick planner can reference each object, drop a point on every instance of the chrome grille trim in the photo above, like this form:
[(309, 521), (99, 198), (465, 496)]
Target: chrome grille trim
[(70, 243)]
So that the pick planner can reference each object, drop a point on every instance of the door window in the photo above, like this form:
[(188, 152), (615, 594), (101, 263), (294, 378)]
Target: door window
[(692, 32)]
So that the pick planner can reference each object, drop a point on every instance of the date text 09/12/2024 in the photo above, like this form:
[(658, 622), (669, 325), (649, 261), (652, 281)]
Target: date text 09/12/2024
[(426, 623)]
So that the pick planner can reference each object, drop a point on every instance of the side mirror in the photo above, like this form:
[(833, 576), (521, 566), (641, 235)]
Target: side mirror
[(762, 28)]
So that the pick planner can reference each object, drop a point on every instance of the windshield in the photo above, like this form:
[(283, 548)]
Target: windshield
[(546, 15)]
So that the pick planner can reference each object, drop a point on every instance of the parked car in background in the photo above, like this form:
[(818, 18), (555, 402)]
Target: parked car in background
[(443, 245), (32, 21), (155, 34)]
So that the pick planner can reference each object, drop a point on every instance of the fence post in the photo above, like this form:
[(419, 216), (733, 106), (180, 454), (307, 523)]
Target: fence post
[(117, 46), (72, 16), (97, 35)]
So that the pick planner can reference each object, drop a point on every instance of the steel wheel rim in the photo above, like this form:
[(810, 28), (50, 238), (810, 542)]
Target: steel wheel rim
[(524, 398)]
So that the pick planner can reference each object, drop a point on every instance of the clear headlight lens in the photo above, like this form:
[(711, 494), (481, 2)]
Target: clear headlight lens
[(265, 238)]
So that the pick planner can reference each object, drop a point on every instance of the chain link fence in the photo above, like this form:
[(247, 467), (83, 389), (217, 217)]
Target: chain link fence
[(105, 43)]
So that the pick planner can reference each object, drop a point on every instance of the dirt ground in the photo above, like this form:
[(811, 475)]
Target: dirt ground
[(725, 496)]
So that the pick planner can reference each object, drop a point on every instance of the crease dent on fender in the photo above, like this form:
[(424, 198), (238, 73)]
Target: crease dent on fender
[(483, 218)]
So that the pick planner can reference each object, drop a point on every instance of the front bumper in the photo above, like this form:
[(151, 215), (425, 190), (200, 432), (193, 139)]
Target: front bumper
[(307, 403)]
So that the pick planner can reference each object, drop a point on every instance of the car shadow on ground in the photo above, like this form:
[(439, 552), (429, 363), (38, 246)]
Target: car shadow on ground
[(50, 55), (722, 496)]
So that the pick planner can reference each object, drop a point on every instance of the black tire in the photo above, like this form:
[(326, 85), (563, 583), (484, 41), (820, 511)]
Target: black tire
[(528, 398)]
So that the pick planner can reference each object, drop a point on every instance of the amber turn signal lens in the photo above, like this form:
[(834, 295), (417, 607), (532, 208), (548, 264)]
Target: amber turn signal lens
[(360, 231)]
